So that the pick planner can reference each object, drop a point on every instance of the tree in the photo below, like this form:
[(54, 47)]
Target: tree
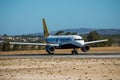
[(84, 37), (109, 42), (74, 33), (5, 35), (59, 32), (5, 46), (94, 35), (15, 47), (23, 47), (68, 33)]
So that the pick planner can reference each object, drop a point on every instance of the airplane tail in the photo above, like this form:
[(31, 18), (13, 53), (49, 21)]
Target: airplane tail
[(45, 29)]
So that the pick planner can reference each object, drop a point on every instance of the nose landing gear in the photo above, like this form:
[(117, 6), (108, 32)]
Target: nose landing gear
[(74, 51)]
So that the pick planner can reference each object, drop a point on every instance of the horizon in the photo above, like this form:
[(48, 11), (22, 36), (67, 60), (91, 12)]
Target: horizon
[(60, 30), (25, 16), (51, 32)]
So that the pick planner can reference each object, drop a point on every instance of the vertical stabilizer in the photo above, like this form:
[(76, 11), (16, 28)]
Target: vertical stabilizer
[(45, 29)]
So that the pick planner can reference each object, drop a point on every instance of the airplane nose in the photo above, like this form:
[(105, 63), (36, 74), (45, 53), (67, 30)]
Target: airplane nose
[(80, 43)]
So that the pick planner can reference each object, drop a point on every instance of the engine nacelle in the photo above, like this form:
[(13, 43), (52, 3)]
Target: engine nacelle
[(50, 49), (85, 48)]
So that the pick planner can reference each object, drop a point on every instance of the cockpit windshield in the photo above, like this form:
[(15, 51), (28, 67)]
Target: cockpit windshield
[(78, 39)]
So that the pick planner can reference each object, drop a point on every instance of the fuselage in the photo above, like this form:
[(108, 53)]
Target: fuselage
[(66, 41)]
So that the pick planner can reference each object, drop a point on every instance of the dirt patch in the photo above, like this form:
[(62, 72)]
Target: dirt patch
[(60, 69)]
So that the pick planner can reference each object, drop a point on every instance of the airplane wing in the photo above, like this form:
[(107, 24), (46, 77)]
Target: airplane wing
[(97, 41), (37, 44)]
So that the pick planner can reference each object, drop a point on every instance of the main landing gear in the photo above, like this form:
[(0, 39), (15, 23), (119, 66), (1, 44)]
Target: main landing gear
[(74, 51)]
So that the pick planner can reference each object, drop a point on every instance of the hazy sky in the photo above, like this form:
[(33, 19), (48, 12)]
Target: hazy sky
[(25, 16)]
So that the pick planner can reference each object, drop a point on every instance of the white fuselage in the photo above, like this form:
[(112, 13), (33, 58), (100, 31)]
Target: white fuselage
[(66, 41)]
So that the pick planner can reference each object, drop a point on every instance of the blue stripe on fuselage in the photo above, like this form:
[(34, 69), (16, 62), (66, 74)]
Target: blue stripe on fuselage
[(67, 46)]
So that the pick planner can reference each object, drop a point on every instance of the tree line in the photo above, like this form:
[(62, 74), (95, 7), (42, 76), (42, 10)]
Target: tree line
[(113, 40), (7, 47)]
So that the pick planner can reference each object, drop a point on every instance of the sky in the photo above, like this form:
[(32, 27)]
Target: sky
[(25, 16)]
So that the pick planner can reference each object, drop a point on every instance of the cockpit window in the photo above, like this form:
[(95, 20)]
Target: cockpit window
[(78, 39)]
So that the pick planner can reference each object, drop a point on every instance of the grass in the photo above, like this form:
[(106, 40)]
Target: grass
[(64, 51)]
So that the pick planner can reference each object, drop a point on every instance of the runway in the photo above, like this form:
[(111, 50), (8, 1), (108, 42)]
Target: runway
[(83, 55)]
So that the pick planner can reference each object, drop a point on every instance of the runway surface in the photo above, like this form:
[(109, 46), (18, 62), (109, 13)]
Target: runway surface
[(82, 55)]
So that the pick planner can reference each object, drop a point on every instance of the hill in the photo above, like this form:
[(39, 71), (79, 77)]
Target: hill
[(100, 31), (85, 31)]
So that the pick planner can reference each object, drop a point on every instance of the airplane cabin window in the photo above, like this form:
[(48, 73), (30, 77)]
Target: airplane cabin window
[(64, 39)]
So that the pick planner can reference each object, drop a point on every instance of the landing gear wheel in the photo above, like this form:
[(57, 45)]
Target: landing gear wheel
[(50, 52), (74, 51)]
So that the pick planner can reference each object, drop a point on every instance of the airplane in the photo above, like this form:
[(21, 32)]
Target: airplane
[(62, 42)]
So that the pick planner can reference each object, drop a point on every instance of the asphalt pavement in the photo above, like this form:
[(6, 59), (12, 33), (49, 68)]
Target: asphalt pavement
[(82, 55)]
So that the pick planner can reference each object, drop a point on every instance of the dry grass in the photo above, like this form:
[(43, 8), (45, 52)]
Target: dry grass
[(64, 51), (105, 49), (60, 69)]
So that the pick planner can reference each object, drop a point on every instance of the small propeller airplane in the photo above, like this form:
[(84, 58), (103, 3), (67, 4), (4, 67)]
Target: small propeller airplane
[(61, 42)]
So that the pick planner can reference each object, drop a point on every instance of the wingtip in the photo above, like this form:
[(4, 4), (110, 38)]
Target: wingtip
[(106, 39)]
